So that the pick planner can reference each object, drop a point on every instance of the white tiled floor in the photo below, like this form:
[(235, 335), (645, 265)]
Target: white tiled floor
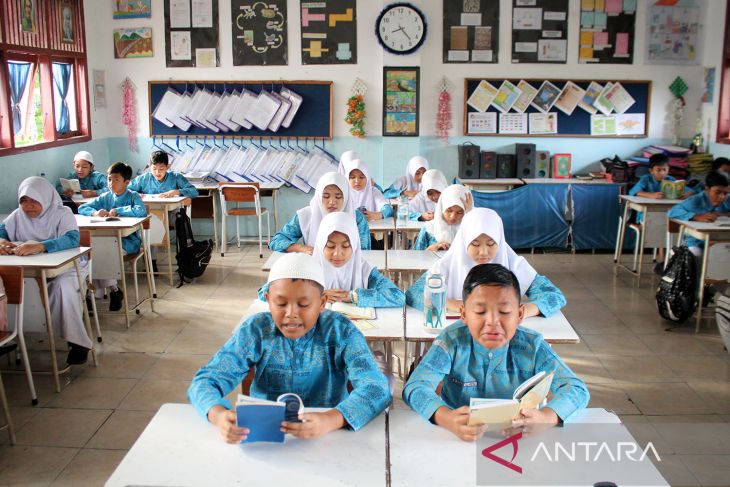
[(632, 365)]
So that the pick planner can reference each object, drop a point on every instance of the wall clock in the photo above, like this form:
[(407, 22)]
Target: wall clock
[(401, 28)]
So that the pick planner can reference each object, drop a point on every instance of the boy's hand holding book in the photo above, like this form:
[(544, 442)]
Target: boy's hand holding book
[(457, 421), (225, 420), (314, 425)]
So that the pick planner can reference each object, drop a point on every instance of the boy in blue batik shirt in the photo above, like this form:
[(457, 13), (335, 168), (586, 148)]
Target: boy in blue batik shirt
[(92, 183), (650, 185), (118, 201), (488, 355), (297, 347), (161, 181), (719, 164)]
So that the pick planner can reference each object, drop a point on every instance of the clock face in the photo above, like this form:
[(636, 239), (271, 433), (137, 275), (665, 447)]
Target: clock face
[(401, 28)]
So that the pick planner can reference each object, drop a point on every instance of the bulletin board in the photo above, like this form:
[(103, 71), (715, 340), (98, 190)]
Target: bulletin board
[(607, 32), (471, 31), (191, 34), (313, 120), (329, 32), (540, 31), (258, 33), (578, 124)]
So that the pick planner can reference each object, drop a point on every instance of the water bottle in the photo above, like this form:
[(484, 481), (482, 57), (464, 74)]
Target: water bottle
[(434, 302), (403, 210)]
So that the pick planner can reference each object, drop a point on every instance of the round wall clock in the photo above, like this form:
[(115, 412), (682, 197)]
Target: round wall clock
[(401, 28)]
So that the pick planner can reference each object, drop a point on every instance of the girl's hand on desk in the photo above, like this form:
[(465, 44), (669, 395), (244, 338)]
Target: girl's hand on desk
[(170, 194), (439, 246), (706, 217), (531, 310), (373, 215), (100, 213), (337, 295), (428, 216), (7, 248), (113, 212), (456, 421), (658, 195), (315, 425), (305, 249), (225, 420), (88, 193), (29, 248)]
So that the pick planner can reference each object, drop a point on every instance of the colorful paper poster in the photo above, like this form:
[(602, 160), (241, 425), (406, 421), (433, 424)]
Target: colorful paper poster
[(569, 98), (133, 42), (259, 32), (131, 9), (546, 96), (328, 32), (482, 123), (631, 124), (603, 125), (513, 123), (506, 96), (607, 31), (619, 98), (190, 26), (470, 31), (99, 89), (602, 103), (674, 33), (527, 94), (552, 50), (482, 96), (539, 31), (592, 92), (543, 123)]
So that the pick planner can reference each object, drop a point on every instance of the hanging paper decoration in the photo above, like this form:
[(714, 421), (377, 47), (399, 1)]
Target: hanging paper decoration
[(129, 113), (443, 115), (678, 88), (356, 109)]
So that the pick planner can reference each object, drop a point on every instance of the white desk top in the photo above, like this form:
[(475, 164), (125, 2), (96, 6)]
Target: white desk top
[(704, 226), (178, 447), (410, 225), (375, 257), (388, 325), (92, 222), (155, 199), (555, 329), (44, 261), (385, 224), (397, 260), (424, 454), (649, 201)]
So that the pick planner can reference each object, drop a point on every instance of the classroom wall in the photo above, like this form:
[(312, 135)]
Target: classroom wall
[(385, 155)]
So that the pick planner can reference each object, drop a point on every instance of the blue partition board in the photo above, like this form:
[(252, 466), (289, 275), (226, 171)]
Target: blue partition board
[(596, 210), (533, 215), (313, 120), (579, 122)]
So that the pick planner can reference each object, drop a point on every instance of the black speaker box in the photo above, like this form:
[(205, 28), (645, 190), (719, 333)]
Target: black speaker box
[(469, 160), (488, 167), (506, 166), (525, 154), (542, 164)]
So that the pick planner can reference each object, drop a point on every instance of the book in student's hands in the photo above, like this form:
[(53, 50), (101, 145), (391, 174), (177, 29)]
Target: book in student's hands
[(529, 395), (263, 418), (353, 311), (72, 184), (673, 190)]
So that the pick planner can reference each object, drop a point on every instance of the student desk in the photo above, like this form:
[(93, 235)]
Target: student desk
[(407, 230), (179, 447), (385, 225), (384, 260), (165, 206), (425, 454), (119, 229), (709, 233), (492, 185), (45, 266), (647, 206)]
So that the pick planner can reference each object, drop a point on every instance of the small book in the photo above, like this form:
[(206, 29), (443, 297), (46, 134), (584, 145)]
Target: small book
[(72, 184), (263, 418), (529, 395), (353, 311), (673, 190)]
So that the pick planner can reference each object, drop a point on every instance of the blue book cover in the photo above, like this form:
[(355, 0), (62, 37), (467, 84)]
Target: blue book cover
[(262, 420)]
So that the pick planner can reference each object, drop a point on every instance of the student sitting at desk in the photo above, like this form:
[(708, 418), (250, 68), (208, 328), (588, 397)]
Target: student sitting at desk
[(297, 347), (348, 276), (345, 158), (480, 240), (161, 181), (438, 234), (92, 183), (118, 201), (719, 164), (650, 185), (410, 184), (424, 203), (486, 354), (43, 224), (365, 197), (331, 194)]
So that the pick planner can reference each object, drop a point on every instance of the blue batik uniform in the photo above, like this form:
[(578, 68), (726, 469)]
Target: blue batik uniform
[(469, 370), (316, 366), (381, 293), (128, 203), (291, 232), (148, 184), (69, 240), (94, 181), (649, 184), (696, 205), (542, 293), (424, 240)]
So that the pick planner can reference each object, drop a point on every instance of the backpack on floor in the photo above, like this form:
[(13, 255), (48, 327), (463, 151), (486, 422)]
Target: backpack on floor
[(676, 297), (192, 255)]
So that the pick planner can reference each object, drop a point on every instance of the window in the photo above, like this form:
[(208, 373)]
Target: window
[(44, 100)]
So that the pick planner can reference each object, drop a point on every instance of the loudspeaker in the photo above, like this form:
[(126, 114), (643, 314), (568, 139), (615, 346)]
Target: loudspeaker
[(525, 154), (542, 164), (488, 167), (506, 167), (469, 161)]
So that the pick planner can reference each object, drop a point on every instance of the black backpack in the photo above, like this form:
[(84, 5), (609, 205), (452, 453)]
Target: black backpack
[(192, 256), (676, 297)]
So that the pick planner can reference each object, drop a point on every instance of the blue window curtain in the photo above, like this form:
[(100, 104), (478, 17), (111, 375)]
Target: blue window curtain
[(62, 77), (18, 81)]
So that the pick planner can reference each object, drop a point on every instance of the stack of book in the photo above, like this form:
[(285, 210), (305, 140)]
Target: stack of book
[(700, 164), (678, 165)]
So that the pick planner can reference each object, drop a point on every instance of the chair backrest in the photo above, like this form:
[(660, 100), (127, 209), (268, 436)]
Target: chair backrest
[(13, 281), (672, 227), (85, 240), (240, 192)]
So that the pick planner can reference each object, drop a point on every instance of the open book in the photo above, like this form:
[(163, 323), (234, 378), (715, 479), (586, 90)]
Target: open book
[(263, 417), (529, 395), (353, 311), (673, 190), (72, 184)]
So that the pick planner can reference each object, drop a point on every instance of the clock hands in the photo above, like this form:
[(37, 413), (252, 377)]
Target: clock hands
[(401, 29)]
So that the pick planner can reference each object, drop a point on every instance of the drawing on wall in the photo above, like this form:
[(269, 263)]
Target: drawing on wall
[(191, 33), (132, 9), (99, 89), (28, 16), (539, 31), (67, 23), (471, 31), (673, 33), (259, 32), (708, 92), (607, 31), (400, 101), (132, 43), (329, 32)]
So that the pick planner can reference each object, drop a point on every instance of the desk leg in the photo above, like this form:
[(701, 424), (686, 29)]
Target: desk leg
[(49, 324), (85, 311), (641, 245), (148, 270), (276, 210), (124, 277), (701, 293), (622, 234), (215, 217), (166, 217)]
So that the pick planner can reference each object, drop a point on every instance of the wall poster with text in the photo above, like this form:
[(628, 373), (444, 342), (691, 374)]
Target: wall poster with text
[(259, 33)]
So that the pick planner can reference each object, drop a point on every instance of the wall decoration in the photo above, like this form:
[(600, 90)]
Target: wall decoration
[(678, 88), (133, 42), (673, 33), (99, 89), (191, 33), (443, 113), (410, 32), (356, 109), (708, 93), (67, 23), (400, 101), (129, 112), (259, 33), (539, 31), (607, 31), (28, 17), (471, 31), (131, 9), (329, 32)]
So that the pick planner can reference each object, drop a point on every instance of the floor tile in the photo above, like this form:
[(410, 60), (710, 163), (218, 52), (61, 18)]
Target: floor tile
[(149, 395), (665, 398), (120, 430), (612, 398), (668, 343), (616, 344), (93, 393), (62, 427), (33, 465), (90, 467), (121, 365), (716, 394), (709, 469), (638, 369), (702, 367), (177, 366)]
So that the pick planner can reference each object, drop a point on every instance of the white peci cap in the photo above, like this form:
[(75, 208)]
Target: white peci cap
[(297, 266), (84, 156)]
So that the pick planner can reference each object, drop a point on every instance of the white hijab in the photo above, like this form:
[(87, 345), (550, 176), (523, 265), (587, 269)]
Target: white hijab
[(346, 157), (310, 217), (54, 221), (432, 179), (408, 182), (370, 197), (356, 272), (456, 263), (454, 195)]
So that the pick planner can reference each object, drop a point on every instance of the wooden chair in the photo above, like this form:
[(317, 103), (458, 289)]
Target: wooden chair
[(242, 193)]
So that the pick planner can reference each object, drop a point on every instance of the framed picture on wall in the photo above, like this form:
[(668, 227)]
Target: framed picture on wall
[(67, 22), (27, 16), (400, 101)]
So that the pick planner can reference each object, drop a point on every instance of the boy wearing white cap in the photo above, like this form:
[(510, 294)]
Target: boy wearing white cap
[(296, 347), (93, 183)]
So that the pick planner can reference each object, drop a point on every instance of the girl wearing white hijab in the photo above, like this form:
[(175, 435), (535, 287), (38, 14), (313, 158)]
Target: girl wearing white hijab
[(348, 276), (331, 194), (345, 158), (480, 240), (433, 184), (454, 203), (43, 224), (410, 184), (366, 198)]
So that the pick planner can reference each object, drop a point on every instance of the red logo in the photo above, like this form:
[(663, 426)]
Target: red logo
[(487, 452)]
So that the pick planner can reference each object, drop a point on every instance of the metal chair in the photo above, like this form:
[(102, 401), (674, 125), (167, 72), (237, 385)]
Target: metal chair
[(242, 193)]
